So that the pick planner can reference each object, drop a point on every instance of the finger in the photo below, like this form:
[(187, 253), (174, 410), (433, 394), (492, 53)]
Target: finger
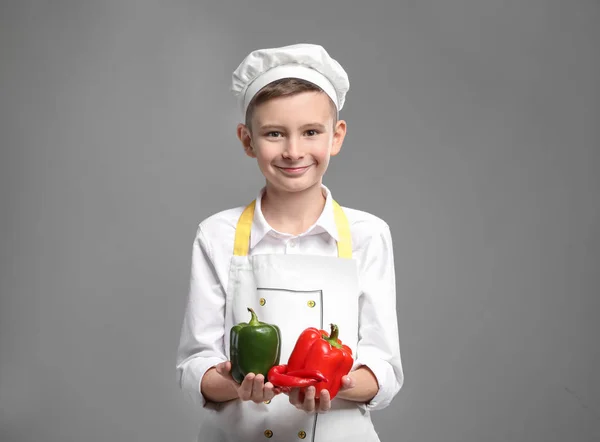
[(309, 399), (324, 401), (269, 391), (257, 388), (294, 395), (277, 391), (245, 390), (222, 368), (348, 382)]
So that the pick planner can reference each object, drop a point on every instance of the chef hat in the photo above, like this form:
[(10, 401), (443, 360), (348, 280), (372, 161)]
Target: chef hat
[(304, 61)]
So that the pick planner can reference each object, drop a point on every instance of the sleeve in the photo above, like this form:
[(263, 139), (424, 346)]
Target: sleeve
[(378, 345), (201, 343)]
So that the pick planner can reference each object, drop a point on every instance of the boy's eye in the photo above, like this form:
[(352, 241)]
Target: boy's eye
[(311, 132), (273, 134)]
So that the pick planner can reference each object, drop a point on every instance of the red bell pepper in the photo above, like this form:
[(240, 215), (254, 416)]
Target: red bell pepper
[(315, 354)]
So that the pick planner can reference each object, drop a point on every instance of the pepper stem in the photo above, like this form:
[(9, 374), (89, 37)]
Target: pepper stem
[(254, 319), (333, 337)]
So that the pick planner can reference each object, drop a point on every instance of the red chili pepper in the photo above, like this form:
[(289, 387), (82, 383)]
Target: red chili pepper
[(279, 376), (317, 350), (314, 374)]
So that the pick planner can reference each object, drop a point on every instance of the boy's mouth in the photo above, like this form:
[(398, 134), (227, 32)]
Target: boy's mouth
[(294, 170)]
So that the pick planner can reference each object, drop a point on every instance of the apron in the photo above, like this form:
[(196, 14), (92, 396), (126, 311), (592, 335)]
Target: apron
[(294, 292)]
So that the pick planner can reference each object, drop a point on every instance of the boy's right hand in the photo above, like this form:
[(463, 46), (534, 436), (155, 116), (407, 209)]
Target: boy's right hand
[(253, 387)]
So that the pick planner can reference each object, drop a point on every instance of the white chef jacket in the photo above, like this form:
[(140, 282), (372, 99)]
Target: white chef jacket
[(203, 332)]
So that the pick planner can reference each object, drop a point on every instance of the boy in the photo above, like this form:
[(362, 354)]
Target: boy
[(298, 259)]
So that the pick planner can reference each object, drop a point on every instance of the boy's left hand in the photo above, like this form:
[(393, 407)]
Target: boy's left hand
[(304, 398)]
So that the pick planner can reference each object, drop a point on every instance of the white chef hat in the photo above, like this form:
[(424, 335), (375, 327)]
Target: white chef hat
[(308, 62)]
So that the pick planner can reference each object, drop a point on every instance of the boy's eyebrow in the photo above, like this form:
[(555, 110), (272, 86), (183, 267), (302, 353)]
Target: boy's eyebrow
[(320, 126), (304, 126), (270, 127)]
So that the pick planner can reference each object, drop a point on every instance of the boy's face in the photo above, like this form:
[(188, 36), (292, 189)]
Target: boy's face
[(292, 139)]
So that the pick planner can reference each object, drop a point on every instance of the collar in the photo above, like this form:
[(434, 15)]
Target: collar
[(325, 222)]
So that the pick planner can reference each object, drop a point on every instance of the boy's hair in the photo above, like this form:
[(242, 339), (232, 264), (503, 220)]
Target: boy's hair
[(284, 87)]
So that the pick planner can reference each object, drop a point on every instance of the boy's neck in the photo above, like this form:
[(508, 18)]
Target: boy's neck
[(294, 212)]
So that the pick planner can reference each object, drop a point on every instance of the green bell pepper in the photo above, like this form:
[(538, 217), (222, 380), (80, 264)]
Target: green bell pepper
[(255, 347)]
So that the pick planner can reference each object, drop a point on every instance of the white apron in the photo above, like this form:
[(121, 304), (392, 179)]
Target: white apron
[(294, 292)]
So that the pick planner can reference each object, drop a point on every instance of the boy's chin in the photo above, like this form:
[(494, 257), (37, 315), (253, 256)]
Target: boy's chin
[(292, 187)]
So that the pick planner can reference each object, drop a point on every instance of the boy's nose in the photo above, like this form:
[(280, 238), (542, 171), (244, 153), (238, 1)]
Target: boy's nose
[(292, 149)]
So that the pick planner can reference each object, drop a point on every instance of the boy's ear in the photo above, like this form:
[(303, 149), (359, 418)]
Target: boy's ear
[(245, 137), (338, 137)]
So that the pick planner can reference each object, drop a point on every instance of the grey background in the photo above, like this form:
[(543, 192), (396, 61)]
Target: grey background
[(473, 131)]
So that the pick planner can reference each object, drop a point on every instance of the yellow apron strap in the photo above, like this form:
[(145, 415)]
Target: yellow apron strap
[(242, 231), (244, 225), (344, 245)]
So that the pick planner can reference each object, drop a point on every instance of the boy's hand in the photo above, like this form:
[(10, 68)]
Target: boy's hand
[(252, 388), (304, 398)]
